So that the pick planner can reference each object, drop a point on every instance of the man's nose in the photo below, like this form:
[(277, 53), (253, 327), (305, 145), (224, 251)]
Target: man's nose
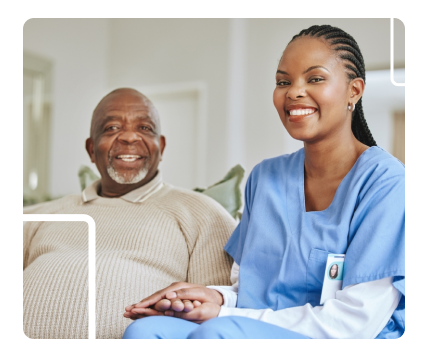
[(129, 137)]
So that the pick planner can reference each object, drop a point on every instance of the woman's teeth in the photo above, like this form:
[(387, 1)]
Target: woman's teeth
[(129, 158), (302, 112)]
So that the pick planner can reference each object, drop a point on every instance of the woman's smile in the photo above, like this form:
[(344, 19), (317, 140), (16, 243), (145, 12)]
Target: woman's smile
[(299, 112)]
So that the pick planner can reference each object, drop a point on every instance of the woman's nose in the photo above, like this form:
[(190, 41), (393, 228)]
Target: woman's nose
[(296, 91)]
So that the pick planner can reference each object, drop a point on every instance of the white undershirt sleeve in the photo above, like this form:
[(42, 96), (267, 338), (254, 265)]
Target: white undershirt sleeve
[(229, 293), (358, 311)]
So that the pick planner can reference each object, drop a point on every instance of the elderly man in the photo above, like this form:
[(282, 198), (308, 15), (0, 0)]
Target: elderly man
[(148, 233)]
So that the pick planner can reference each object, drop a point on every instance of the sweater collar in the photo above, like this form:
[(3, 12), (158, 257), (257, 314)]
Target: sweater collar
[(135, 196)]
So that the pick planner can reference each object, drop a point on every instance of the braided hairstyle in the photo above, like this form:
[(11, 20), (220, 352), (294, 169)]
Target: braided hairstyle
[(349, 52)]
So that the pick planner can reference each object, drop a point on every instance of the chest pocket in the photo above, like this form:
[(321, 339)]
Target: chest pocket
[(315, 275)]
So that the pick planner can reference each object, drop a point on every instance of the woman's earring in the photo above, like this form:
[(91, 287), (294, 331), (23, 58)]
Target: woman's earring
[(349, 107)]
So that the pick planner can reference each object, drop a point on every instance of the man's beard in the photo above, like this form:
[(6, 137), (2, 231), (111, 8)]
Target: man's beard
[(127, 178)]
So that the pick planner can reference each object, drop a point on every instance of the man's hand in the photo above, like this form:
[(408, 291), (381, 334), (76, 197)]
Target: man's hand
[(181, 299)]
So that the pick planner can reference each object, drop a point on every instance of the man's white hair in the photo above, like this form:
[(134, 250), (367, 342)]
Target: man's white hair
[(127, 179)]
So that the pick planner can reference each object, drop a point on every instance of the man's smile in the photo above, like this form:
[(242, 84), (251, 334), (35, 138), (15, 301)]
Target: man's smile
[(128, 157)]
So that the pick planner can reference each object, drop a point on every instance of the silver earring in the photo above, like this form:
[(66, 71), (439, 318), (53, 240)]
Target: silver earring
[(353, 107), (349, 107)]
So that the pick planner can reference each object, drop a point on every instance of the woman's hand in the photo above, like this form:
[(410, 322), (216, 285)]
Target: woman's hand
[(152, 301), (161, 308), (176, 304), (178, 300), (200, 314)]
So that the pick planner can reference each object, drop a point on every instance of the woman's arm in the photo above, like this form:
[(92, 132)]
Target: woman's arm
[(358, 311)]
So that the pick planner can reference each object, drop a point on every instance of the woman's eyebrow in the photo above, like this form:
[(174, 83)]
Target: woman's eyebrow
[(307, 70), (314, 67)]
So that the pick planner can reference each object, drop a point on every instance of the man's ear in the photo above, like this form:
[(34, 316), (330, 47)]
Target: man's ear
[(89, 146), (356, 89), (162, 146)]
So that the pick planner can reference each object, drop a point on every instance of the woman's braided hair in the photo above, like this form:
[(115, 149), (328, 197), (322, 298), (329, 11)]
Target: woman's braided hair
[(350, 53)]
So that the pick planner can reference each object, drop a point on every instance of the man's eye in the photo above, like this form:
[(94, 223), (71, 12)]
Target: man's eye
[(111, 128), (146, 128), (282, 83)]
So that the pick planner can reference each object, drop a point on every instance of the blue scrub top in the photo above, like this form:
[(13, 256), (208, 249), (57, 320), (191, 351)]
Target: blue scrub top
[(282, 249)]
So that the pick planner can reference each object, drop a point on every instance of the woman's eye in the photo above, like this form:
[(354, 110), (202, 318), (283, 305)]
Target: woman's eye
[(282, 83), (315, 80)]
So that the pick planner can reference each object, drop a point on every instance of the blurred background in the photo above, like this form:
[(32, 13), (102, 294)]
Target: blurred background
[(211, 79)]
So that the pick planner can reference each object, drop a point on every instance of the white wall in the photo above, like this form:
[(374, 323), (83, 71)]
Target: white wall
[(78, 50), (157, 52), (381, 100)]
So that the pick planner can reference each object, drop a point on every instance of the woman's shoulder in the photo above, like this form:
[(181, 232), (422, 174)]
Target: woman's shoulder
[(377, 162), (375, 173)]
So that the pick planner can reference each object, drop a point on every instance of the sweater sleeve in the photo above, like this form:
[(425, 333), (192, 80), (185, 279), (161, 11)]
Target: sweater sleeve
[(29, 229), (209, 264)]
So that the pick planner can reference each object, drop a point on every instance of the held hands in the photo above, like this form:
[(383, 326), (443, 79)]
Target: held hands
[(184, 300)]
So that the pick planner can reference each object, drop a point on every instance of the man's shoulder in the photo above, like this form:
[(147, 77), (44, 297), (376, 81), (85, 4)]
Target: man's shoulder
[(187, 197), (54, 206), (188, 201)]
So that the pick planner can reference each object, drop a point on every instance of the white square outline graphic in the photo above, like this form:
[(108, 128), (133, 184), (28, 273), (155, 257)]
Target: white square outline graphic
[(91, 285), (443, 41)]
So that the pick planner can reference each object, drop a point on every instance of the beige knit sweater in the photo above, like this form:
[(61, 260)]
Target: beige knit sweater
[(175, 235)]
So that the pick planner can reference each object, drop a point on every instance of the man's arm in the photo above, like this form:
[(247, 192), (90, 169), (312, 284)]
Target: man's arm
[(29, 230), (209, 264)]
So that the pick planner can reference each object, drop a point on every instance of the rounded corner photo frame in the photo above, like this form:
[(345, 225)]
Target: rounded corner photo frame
[(8, 352), (443, 41)]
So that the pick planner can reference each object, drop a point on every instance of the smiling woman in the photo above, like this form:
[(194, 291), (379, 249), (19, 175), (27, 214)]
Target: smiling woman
[(314, 92), (341, 194)]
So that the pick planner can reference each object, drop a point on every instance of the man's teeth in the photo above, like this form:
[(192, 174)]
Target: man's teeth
[(128, 157), (302, 112)]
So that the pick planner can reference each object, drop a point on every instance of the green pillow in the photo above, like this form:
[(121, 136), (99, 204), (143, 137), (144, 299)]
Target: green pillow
[(226, 192)]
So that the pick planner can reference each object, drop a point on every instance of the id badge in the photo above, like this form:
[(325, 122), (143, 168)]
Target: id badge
[(333, 277)]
